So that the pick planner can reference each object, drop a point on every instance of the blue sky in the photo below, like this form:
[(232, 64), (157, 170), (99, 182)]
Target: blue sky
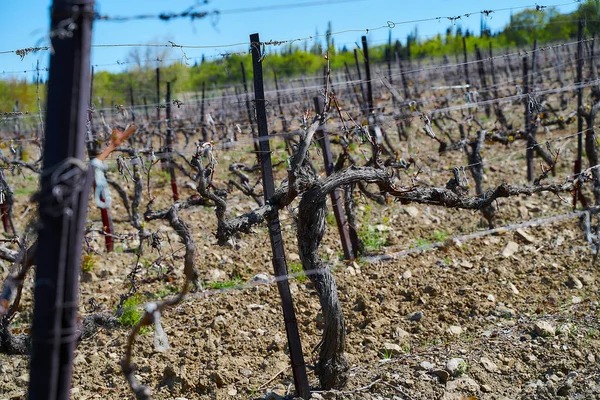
[(25, 24)]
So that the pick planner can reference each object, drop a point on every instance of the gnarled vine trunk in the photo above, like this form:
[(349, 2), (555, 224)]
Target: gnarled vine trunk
[(332, 367)]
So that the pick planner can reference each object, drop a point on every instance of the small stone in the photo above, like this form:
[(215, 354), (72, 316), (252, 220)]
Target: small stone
[(510, 249), (456, 366), (350, 270), (216, 275), (486, 388), (489, 365), (513, 288), (261, 278), (407, 274), (574, 282), (246, 372), (400, 333), (442, 375), (426, 366), (392, 349), (505, 312), (87, 277), (411, 211), (254, 307), (587, 280), (491, 298), (544, 328), (525, 236), (80, 359), (576, 299), (232, 392), (190, 185), (455, 330), (463, 384), (415, 316)]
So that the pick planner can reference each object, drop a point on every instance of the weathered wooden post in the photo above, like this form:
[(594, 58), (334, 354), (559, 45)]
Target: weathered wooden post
[(92, 148), (157, 96), (279, 262), (579, 81), (249, 110), (202, 116), (360, 82), (483, 81), (367, 75), (336, 195), (466, 65), (169, 148), (65, 183), (529, 149), (132, 104)]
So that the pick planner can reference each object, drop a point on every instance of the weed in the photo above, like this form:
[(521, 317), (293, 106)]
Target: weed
[(131, 311), (440, 236), (88, 262), (422, 242), (386, 354), (225, 285), (296, 268), (463, 367), (372, 238), (406, 348), (164, 292), (330, 218)]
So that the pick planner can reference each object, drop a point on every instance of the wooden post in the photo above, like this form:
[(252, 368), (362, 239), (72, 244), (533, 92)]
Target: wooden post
[(360, 82), (403, 79), (169, 148), (389, 65), (531, 142), (529, 150), (279, 262), (355, 89), (17, 120), (92, 148), (249, 110), (146, 108), (157, 96), (494, 80), (132, 104), (368, 75), (202, 116), (65, 183), (465, 65), (579, 81), (483, 81), (336, 195), (284, 123)]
